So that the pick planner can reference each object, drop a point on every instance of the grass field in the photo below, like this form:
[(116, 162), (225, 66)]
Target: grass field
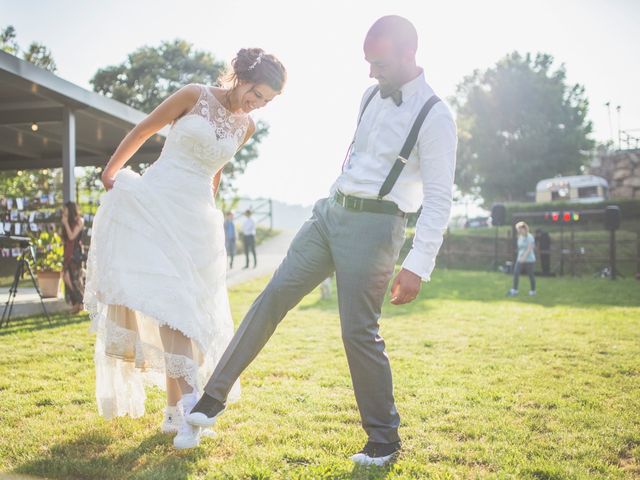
[(542, 387)]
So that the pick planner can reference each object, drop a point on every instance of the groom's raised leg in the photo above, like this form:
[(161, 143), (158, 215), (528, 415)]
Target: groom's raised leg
[(307, 263)]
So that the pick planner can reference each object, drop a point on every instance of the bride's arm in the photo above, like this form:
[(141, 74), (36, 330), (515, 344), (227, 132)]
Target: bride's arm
[(251, 129), (172, 108), (216, 182)]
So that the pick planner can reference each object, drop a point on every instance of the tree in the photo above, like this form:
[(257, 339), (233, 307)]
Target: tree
[(8, 41), (37, 53), (40, 56), (29, 183), (151, 74), (519, 122)]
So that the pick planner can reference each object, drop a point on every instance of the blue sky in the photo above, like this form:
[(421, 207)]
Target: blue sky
[(321, 45)]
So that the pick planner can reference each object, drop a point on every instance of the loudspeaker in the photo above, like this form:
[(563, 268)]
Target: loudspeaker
[(612, 217), (498, 215)]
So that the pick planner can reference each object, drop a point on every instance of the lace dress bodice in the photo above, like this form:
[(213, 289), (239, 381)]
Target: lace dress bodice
[(206, 138)]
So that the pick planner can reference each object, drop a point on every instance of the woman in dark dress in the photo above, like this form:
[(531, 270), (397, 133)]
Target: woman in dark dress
[(72, 271)]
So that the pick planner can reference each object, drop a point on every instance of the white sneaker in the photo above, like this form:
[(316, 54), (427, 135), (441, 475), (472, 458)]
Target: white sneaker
[(188, 436), (377, 454), (513, 292), (200, 419), (367, 461), (173, 418), (532, 293)]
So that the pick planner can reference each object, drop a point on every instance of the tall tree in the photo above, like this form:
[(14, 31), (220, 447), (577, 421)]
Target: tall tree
[(40, 56), (519, 122), (151, 74), (8, 42), (37, 53)]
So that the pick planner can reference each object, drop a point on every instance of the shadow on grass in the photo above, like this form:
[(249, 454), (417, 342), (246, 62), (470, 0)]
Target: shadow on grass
[(328, 471), (91, 456), (371, 473), (32, 324)]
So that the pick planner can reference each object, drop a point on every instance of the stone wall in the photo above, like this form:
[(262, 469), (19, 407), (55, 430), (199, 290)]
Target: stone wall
[(622, 170)]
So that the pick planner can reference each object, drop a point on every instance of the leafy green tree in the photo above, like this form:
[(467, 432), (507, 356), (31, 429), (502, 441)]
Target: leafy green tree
[(37, 53), (151, 74), (519, 122), (40, 56), (31, 183), (8, 41)]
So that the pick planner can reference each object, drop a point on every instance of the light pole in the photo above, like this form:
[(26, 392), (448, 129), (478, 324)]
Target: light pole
[(608, 105), (618, 108)]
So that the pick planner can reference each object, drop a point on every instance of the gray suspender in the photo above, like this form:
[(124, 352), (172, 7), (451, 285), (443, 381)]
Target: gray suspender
[(409, 143)]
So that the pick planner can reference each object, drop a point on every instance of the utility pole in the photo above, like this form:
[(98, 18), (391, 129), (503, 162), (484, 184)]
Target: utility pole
[(618, 108)]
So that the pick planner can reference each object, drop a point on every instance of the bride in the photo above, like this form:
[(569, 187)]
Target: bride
[(155, 288)]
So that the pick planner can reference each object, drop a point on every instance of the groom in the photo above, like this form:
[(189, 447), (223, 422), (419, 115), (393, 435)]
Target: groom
[(358, 234)]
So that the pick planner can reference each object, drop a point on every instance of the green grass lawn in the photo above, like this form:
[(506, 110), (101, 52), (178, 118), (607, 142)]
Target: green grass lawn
[(545, 387)]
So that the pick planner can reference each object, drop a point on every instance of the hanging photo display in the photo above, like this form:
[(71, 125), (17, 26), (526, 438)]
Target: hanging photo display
[(22, 216)]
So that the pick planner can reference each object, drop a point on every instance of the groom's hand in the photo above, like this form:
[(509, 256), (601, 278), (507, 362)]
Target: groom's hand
[(405, 287)]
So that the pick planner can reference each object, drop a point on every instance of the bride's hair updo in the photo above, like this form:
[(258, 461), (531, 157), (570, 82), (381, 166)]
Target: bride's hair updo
[(253, 65)]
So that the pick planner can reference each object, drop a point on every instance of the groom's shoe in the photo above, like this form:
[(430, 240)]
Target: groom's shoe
[(378, 454), (205, 412)]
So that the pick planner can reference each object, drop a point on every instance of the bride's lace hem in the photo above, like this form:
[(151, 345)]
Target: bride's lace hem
[(126, 363), (96, 304)]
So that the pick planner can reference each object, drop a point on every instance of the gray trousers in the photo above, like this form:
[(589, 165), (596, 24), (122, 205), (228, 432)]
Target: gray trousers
[(362, 248)]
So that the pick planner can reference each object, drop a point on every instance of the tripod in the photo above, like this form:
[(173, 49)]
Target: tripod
[(23, 264)]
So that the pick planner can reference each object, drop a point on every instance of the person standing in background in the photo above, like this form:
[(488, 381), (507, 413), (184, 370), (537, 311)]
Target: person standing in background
[(249, 238), (230, 237), (526, 259), (72, 270)]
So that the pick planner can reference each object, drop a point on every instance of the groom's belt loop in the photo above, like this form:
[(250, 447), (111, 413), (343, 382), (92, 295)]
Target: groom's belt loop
[(367, 204)]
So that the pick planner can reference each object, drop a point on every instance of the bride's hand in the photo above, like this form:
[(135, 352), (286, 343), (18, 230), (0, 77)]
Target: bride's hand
[(107, 180)]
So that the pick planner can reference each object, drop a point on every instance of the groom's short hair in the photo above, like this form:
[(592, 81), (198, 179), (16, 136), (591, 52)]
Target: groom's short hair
[(397, 29)]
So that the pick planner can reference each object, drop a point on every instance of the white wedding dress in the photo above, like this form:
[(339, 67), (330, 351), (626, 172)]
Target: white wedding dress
[(156, 289)]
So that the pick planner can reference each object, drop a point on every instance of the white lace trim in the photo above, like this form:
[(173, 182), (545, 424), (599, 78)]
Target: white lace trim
[(125, 365), (226, 124)]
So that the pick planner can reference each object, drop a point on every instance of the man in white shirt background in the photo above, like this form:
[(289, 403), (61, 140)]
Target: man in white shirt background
[(249, 238), (358, 232)]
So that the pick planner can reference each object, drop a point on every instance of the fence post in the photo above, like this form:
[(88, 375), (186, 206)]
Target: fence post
[(561, 250), (572, 255)]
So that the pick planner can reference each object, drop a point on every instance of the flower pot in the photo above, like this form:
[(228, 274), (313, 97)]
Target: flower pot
[(49, 283)]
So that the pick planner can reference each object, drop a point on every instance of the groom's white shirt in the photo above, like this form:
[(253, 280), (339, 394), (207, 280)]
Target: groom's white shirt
[(427, 178)]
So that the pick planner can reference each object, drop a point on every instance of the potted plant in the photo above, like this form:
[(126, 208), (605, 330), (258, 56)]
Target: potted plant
[(49, 258)]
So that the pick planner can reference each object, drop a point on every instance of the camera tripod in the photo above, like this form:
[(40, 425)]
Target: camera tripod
[(23, 265)]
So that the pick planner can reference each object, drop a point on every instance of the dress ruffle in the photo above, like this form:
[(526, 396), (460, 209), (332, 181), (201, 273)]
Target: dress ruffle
[(156, 260)]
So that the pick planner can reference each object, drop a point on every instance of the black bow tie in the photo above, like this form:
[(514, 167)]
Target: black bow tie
[(396, 96)]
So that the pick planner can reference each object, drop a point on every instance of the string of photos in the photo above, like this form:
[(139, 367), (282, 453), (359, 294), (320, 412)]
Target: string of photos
[(31, 216)]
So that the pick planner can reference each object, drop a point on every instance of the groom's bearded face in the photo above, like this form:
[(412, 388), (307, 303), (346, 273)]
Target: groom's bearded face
[(387, 63)]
